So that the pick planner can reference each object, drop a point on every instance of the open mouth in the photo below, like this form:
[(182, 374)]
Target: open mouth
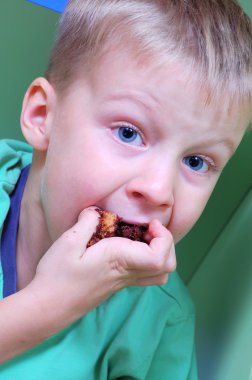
[(111, 225)]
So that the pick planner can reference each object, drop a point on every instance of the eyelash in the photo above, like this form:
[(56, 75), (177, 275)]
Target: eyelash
[(211, 163), (133, 128), (207, 160)]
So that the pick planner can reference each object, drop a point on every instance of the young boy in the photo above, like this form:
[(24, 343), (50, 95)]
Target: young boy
[(143, 104)]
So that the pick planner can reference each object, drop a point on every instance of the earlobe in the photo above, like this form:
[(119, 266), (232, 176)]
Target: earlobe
[(37, 113)]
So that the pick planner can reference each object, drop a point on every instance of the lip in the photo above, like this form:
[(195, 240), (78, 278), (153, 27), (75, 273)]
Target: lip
[(130, 221), (125, 219)]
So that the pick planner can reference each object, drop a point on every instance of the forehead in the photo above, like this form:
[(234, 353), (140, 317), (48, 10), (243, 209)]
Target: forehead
[(170, 92), (124, 71)]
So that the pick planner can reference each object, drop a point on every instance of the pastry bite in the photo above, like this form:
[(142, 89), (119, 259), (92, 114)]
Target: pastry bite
[(111, 225)]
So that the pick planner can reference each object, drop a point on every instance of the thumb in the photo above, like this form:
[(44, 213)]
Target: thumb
[(85, 227)]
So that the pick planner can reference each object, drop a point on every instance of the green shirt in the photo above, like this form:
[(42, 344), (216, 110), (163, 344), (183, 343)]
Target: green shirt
[(142, 333)]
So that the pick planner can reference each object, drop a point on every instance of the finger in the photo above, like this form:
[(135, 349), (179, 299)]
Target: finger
[(80, 234), (171, 261), (132, 259), (157, 229), (163, 245)]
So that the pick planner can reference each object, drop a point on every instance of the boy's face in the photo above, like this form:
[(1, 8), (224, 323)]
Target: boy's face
[(136, 141)]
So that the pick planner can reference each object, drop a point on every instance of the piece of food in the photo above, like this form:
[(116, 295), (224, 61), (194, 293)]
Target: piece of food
[(112, 225), (106, 228)]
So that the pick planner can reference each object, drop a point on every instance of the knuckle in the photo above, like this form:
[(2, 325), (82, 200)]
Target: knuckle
[(168, 237), (172, 262), (158, 264), (173, 265)]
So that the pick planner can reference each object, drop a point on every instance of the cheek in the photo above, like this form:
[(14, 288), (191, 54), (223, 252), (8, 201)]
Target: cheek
[(66, 194), (185, 216)]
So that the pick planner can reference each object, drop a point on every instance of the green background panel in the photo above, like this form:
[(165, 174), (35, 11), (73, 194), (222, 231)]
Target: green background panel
[(222, 289), (26, 35)]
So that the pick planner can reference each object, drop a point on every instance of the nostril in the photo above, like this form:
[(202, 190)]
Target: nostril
[(137, 195)]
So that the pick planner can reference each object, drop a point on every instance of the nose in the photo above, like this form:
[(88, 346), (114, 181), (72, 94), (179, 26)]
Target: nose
[(154, 185)]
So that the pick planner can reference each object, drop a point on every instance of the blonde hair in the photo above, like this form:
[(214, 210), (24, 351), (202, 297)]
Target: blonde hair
[(212, 37)]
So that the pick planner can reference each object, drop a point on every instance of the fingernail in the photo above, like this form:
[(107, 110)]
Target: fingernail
[(90, 208), (93, 208)]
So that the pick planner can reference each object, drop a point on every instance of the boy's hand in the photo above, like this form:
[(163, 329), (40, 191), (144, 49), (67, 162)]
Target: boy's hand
[(73, 279)]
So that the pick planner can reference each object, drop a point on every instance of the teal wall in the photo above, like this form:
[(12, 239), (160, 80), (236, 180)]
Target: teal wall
[(247, 5), (26, 35)]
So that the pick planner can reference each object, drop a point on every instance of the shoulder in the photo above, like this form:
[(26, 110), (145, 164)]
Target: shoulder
[(14, 156)]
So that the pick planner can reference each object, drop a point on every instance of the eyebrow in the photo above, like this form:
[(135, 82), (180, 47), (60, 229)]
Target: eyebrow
[(143, 100), (231, 147)]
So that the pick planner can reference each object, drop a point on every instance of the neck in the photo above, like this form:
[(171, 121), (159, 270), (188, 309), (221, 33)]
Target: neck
[(33, 239)]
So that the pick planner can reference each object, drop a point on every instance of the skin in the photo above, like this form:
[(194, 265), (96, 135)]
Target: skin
[(81, 159)]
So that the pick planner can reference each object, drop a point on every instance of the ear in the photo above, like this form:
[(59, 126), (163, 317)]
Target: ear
[(37, 113)]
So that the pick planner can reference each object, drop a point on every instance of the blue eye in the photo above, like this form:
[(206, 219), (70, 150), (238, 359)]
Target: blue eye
[(129, 135), (197, 163)]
